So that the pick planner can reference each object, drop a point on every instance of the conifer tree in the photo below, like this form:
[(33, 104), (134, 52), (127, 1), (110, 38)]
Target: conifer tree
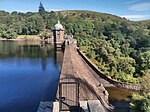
[(41, 9)]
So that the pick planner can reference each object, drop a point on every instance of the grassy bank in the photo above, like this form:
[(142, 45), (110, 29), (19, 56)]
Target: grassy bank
[(28, 37)]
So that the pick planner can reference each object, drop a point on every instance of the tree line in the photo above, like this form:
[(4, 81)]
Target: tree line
[(30, 23)]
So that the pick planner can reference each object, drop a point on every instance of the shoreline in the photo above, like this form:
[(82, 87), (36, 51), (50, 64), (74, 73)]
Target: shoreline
[(26, 39)]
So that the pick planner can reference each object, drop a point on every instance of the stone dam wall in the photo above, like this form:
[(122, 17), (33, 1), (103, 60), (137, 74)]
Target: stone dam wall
[(117, 84)]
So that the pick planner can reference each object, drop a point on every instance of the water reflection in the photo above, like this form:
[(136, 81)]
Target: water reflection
[(29, 73), (30, 49), (57, 60)]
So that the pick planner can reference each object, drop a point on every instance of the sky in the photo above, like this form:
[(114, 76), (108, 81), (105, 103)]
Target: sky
[(130, 9)]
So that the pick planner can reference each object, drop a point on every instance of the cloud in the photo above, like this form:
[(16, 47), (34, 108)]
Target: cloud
[(136, 17), (140, 7), (55, 9), (131, 2)]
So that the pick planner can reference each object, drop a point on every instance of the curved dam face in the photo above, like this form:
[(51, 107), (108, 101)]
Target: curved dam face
[(29, 73)]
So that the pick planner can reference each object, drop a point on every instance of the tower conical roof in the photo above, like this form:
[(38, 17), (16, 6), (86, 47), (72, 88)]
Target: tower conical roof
[(58, 26)]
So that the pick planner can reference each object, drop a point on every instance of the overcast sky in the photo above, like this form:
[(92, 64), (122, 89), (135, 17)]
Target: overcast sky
[(131, 9)]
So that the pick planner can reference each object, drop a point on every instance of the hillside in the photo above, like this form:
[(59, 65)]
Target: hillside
[(119, 47), (145, 23)]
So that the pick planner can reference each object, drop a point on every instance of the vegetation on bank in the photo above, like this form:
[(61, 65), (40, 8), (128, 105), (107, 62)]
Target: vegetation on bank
[(140, 103), (30, 23)]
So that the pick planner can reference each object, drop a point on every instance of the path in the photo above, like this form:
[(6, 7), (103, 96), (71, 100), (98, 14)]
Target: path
[(74, 67)]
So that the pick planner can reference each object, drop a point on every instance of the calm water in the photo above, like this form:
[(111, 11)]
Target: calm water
[(119, 98), (29, 73)]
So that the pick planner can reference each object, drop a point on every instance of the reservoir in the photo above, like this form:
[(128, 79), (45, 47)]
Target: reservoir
[(29, 73)]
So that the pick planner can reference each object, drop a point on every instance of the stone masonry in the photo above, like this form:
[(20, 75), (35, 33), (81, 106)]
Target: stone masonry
[(74, 67)]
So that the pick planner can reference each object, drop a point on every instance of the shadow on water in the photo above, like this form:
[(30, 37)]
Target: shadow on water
[(29, 73), (119, 98)]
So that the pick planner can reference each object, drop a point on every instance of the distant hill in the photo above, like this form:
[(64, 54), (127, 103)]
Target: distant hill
[(20, 21), (145, 23)]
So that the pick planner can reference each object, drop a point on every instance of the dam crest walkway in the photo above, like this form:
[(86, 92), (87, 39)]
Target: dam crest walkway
[(92, 87)]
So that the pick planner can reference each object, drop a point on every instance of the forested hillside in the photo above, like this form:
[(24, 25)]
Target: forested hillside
[(120, 48)]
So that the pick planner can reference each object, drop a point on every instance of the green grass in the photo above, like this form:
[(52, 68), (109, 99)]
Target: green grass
[(28, 36)]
